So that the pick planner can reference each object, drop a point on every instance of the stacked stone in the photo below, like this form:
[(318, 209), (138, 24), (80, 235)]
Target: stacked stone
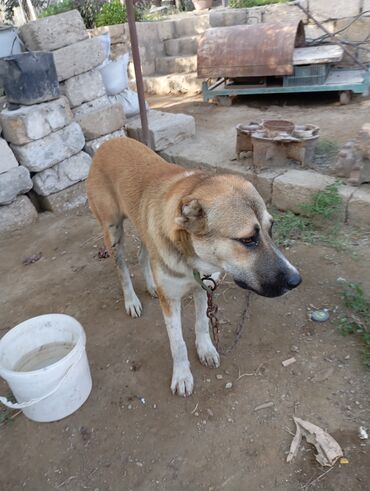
[(48, 139), (16, 210)]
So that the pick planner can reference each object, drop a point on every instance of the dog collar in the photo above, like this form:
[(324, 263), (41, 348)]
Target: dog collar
[(201, 281)]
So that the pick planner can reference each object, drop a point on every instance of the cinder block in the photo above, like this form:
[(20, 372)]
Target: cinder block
[(84, 88), (29, 123), (358, 213), (7, 158), (165, 129), (17, 215), (54, 148), (56, 31), (99, 121), (67, 200), (297, 187), (79, 58), (182, 46), (13, 182), (288, 13), (62, 175), (324, 10), (228, 17), (92, 146)]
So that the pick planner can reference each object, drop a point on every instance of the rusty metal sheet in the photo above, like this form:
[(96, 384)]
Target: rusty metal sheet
[(249, 51)]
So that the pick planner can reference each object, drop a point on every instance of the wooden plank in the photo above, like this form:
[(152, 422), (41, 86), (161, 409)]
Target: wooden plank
[(329, 53)]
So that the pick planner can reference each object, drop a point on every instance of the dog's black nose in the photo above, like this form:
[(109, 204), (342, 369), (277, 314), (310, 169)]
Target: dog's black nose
[(294, 279)]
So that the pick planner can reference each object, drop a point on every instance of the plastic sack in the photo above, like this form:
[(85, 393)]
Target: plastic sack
[(115, 76), (130, 102)]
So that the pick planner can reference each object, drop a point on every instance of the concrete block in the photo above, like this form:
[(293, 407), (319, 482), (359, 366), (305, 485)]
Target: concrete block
[(7, 158), (92, 146), (17, 215), (62, 175), (322, 10), (263, 181), (182, 46), (56, 31), (358, 212), (29, 123), (165, 129), (297, 187), (13, 182), (79, 58), (312, 31), (54, 148), (83, 88), (176, 64), (228, 17), (90, 106), (65, 201), (285, 13), (100, 121)]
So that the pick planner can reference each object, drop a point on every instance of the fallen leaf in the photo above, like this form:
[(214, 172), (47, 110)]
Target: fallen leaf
[(328, 450)]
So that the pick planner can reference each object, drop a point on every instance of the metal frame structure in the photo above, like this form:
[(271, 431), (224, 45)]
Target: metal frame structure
[(221, 90)]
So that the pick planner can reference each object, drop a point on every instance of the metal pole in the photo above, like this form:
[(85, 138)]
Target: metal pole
[(138, 74)]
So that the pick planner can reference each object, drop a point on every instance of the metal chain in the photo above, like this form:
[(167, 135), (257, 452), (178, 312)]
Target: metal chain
[(212, 309)]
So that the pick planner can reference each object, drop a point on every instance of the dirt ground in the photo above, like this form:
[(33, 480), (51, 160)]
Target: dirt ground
[(132, 434)]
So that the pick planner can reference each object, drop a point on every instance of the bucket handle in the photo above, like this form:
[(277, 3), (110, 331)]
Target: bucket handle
[(22, 405)]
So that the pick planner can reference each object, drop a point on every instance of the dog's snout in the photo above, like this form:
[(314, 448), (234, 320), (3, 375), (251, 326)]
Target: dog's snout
[(293, 280)]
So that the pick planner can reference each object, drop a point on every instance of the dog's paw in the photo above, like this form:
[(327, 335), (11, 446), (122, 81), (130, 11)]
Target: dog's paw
[(151, 289), (133, 306), (182, 382), (207, 353)]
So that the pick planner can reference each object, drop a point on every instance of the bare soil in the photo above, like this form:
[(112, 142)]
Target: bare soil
[(132, 434)]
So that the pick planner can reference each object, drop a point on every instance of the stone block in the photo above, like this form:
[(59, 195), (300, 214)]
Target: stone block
[(117, 50), (79, 58), (54, 32), (359, 30), (17, 215), (118, 33), (83, 88), (358, 212), (182, 46), (13, 182), (312, 31), (54, 148), (166, 29), (195, 24), (92, 146), (99, 120), (228, 17), (322, 10), (297, 187), (165, 129), (288, 13), (7, 158), (29, 123), (263, 181), (62, 175), (65, 201)]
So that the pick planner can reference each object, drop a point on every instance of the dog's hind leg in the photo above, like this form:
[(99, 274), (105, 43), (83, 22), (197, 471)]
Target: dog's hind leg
[(144, 261), (207, 353), (116, 237)]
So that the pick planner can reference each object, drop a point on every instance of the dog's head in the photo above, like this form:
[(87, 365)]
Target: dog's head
[(229, 227)]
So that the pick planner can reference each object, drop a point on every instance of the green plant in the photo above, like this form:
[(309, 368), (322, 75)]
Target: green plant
[(115, 13), (319, 222), (242, 4), (357, 318), (57, 8)]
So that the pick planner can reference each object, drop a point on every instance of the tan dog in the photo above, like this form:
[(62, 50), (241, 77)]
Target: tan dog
[(188, 221)]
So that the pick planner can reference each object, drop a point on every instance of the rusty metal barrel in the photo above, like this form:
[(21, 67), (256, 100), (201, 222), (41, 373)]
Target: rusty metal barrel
[(249, 50)]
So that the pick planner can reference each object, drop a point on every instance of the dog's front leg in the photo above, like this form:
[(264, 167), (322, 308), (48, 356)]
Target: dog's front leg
[(182, 380), (207, 353)]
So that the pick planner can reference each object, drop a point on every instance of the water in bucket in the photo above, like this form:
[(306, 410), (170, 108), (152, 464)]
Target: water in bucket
[(42, 357)]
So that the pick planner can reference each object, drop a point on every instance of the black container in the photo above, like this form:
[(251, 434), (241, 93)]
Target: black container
[(29, 78)]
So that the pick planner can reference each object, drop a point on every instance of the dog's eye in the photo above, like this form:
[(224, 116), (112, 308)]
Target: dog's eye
[(249, 242)]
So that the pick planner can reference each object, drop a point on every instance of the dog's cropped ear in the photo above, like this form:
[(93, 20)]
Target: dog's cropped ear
[(192, 216)]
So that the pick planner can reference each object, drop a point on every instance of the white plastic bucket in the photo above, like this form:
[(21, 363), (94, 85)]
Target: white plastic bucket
[(58, 381)]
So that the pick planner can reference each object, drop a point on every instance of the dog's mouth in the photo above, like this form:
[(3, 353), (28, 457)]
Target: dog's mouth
[(267, 291)]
